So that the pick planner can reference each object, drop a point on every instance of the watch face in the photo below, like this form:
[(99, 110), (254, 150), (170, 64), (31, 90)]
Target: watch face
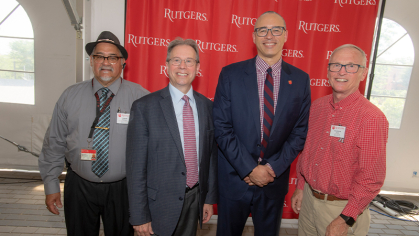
[(348, 220)]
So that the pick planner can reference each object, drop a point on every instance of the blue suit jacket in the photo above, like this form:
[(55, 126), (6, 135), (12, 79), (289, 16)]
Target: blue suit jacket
[(237, 126)]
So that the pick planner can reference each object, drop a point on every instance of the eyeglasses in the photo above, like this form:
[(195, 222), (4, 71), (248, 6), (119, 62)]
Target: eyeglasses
[(276, 31), (176, 61), (111, 59), (349, 68)]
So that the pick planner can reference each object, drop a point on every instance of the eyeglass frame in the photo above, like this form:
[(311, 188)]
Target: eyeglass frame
[(341, 65), (196, 61), (107, 58), (267, 32)]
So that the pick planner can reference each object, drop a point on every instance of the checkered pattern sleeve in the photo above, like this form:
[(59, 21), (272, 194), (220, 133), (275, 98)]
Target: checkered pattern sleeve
[(370, 175)]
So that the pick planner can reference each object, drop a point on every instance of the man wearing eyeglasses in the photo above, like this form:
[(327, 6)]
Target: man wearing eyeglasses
[(171, 152), (343, 164), (88, 131), (261, 110)]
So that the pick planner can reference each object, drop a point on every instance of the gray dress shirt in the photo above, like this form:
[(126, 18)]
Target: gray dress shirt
[(69, 129)]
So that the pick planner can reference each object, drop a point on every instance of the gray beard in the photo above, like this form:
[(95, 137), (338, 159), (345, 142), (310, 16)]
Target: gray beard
[(106, 79)]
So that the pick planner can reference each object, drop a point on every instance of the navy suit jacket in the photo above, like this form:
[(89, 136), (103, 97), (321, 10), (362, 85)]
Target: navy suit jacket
[(237, 127), (156, 170)]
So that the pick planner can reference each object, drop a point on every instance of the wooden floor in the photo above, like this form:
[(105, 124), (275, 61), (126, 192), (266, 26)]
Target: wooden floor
[(23, 212)]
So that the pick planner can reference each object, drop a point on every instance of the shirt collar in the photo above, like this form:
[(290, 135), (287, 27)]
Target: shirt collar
[(114, 87), (177, 95), (349, 100), (262, 66)]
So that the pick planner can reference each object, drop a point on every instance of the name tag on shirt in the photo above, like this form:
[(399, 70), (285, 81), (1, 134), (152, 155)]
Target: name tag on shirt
[(337, 131), (122, 118), (88, 154)]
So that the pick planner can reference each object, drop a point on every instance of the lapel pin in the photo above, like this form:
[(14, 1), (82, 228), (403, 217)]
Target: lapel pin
[(290, 81)]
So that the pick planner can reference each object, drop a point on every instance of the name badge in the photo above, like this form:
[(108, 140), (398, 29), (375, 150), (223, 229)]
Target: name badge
[(122, 118), (88, 154), (337, 131)]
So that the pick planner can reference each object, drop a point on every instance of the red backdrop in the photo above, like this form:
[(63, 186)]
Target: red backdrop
[(223, 30)]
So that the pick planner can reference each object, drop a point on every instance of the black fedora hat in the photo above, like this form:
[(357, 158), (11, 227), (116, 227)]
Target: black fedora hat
[(106, 37)]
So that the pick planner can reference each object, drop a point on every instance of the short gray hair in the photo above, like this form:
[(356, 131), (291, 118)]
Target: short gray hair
[(180, 41), (364, 56), (272, 12)]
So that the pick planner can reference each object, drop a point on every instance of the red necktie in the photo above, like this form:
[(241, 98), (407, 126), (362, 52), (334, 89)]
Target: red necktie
[(268, 110), (189, 139)]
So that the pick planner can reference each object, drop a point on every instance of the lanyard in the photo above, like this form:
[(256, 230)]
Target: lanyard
[(99, 112)]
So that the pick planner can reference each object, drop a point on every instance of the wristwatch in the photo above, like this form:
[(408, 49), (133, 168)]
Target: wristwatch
[(348, 220)]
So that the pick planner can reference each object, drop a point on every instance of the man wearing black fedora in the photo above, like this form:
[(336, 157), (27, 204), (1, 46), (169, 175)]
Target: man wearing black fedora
[(88, 132)]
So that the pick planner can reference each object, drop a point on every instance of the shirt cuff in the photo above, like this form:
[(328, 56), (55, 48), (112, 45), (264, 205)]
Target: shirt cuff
[(52, 187), (300, 183), (351, 212)]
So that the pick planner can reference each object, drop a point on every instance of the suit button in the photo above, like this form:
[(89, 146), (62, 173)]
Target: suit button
[(258, 145), (181, 198), (183, 173)]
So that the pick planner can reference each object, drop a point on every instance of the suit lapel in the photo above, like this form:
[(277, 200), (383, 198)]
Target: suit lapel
[(285, 90), (251, 86), (166, 105), (202, 114)]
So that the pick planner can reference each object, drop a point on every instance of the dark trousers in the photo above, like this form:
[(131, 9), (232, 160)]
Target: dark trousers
[(85, 202), (188, 220), (266, 213)]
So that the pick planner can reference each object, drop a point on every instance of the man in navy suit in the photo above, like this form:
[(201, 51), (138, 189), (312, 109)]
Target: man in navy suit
[(261, 110)]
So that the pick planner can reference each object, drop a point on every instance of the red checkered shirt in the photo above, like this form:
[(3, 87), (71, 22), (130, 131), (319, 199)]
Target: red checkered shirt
[(353, 169)]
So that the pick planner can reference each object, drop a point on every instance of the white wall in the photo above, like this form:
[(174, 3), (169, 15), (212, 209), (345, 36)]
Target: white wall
[(54, 71), (103, 15), (402, 152)]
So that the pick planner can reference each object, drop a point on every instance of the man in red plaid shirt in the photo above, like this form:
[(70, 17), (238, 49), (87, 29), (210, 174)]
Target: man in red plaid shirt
[(343, 164)]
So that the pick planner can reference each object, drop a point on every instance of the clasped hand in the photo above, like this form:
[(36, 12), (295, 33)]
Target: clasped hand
[(261, 175)]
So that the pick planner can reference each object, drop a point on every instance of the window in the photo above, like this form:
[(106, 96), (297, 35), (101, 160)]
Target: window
[(393, 68), (16, 55)]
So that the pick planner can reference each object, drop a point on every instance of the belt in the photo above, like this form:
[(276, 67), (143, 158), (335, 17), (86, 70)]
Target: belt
[(189, 188), (323, 196)]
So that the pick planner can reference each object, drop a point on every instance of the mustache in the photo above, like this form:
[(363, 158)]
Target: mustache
[(106, 68)]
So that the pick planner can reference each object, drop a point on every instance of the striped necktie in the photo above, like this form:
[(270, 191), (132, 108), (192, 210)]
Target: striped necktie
[(189, 139), (268, 110), (101, 138)]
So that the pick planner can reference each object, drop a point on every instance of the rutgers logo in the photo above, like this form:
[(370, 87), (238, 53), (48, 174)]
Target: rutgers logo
[(220, 47), (134, 40), (318, 27), (319, 83), (238, 21), (163, 70), (356, 2), (292, 53), (188, 15)]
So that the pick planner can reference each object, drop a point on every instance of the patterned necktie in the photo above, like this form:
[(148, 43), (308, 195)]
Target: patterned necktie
[(268, 110), (189, 139), (101, 138)]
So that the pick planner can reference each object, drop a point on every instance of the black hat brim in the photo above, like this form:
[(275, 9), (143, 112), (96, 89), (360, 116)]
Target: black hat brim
[(90, 46)]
